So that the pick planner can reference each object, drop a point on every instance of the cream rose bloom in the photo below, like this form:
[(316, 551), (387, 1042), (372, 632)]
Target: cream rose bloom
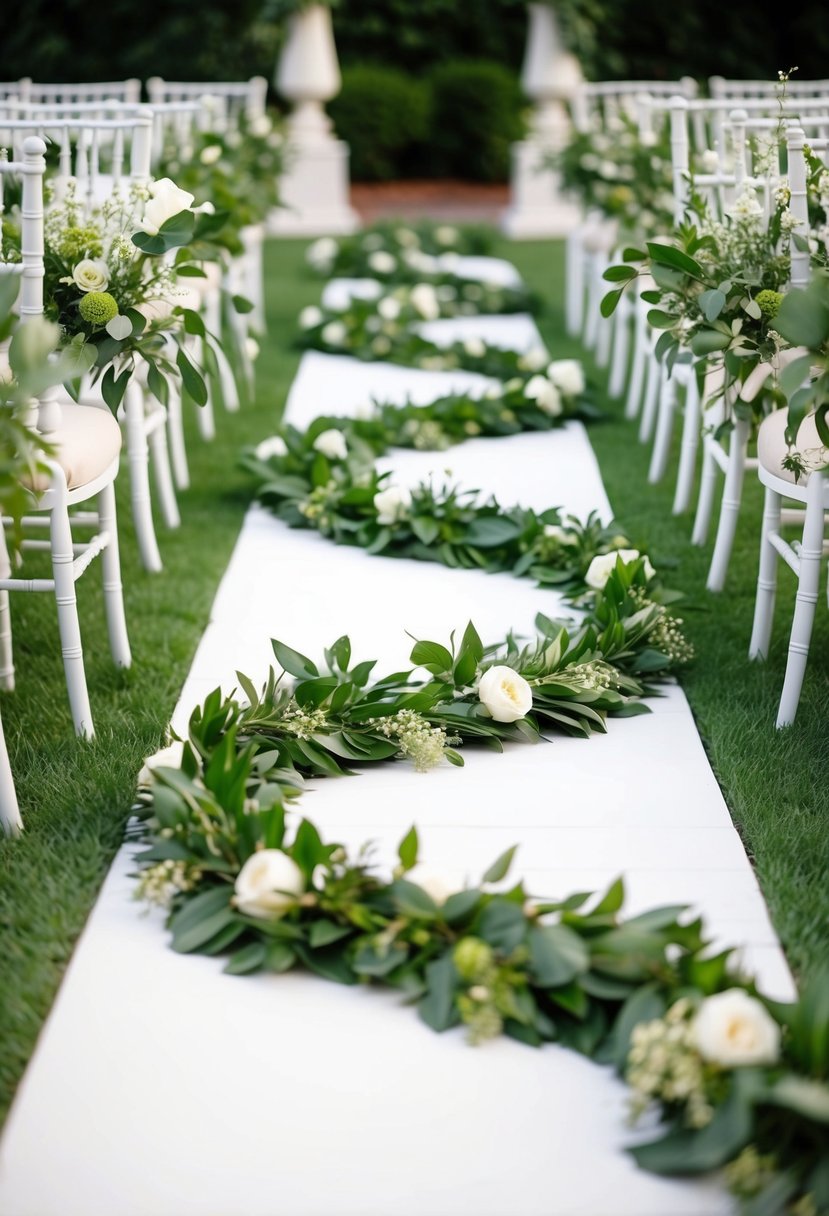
[(568, 376), (91, 274), (446, 235), (392, 504), (275, 446), (332, 444), (604, 564), (425, 301), (321, 254), (534, 359), (389, 308), (505, 693), (382, 262), (165, 201), (545, 395), (435, 883), (733, 1029), (309, 317), (210, 154), (334, 333), (268, 884), (475, 348)]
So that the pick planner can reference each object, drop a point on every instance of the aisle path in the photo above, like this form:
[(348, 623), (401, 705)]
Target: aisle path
[(162, 1088)]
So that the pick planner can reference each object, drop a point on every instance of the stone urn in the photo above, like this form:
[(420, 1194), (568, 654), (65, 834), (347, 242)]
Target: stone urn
[(308, 74), (549, 76)]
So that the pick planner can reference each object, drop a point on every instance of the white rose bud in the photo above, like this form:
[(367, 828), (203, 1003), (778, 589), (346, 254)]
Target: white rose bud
[(505, 693), (275, 446), (382, 262), (534, 359), (334, 333), (392, 504), (425, 301), (557, 533), (603, 564), (733, 1029), (475, 348), (310, 317), (322, 253), (446, 235), (251, 349), (568, 376), (268, 885), (91, 275), (389, 308), (710, 161), (260, 126), (165, 201), (332, 444), (545, 394), (210, 154)]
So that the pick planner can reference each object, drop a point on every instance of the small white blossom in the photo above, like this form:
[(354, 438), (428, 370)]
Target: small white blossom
[(331, 444)]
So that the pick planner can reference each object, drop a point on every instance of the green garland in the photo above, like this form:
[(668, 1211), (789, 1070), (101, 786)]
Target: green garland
[(408, 244)]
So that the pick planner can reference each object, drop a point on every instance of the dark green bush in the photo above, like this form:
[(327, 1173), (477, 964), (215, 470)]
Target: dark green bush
[(383, 114), (477, 112)]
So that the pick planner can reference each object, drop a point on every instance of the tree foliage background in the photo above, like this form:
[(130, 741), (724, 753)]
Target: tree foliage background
[(214, 39)]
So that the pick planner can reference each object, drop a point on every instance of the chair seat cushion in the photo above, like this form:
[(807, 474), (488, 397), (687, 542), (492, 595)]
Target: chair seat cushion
[(86, 443), (772, 446)]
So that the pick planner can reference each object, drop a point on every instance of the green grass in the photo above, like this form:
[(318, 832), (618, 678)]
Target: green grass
[(76, 796)]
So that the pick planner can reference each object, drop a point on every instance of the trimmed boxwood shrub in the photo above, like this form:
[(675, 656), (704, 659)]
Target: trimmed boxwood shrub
[(382, 114), (477, 112)]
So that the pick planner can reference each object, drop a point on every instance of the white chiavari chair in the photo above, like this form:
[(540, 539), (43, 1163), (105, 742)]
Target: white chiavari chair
[(811, 492), (87, 444)]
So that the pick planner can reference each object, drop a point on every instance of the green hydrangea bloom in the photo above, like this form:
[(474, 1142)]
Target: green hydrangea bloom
[(98, 307), (769, 303), (80, 242)]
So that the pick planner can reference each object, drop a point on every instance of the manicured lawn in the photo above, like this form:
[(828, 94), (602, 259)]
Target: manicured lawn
[(76, 797)]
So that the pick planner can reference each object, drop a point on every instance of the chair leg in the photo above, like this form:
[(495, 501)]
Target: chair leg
[(9, 809), (664, 429), (804, 610), (637, 370), (592, 315), (688, 449), (652, 388), (766, 579), (68, 623), (163, 476), (227, 381), (605, 330), (574, 283), (621, 350), (204, 413), (730, 509), (705, 502), (175, 439), (138, 454), (119, 643), (6, 651)]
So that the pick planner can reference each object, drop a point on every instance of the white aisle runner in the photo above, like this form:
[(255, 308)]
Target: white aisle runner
[(161, 1087)]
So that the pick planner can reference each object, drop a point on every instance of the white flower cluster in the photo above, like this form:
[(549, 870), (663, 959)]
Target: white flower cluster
[(304, 723), (664, 1065), (666, 634), (423, 743), (426, 436), (160, 883)]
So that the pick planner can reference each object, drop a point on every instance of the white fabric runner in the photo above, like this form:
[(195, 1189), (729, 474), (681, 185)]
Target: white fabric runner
[(161, 1087)]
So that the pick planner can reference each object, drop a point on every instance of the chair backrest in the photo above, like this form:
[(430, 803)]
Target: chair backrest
[(597, 103), (98, 91), (799, 201), (92, 151), (231, 98), (30, 169), (740, 90)]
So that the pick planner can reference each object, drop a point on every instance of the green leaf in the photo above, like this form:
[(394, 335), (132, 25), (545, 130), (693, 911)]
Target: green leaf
[(795, 374), (308, 851), (407, 851), (174, 232), (249, 958), (411, 900), (460, 905), (191, 378), (619, 274), (660, 319), (432, 656), (157, 383), (608, 304), (425, 528), (489, 531), (437, 1007), (712, 303), (193, 322), (326, 932), (500, 868), (706, 341), (668, 255), (503, 924), (242, 304), (644, 1005), (557, 955), (803, 317), (293, 662), (279, 957)]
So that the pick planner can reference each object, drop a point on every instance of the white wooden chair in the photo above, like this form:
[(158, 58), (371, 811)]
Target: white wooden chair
[(87, 443), (100, 154)]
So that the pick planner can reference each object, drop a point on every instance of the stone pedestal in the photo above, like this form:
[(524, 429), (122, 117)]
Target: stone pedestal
[(315, 184), (537, 208)]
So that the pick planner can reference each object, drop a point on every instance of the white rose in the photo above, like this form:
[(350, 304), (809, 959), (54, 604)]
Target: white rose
[(365, 411), (392, 504), (91, 275), (275, 446), (475, 348), (425, 301), (734, 1029), (534, 359), (382, 262), (322, 253), (210, 155), (446, 235), (268, 884), (604, 564), (494, 392), (505, 693), (710, 161), (334, 333), (557, 533), (568, 376), (260, 126), (310, 317), (433, 882), (332, 444), (165, 201), (251, 349), (406, 236), (389, 308), (545, 394), (167, 757)]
